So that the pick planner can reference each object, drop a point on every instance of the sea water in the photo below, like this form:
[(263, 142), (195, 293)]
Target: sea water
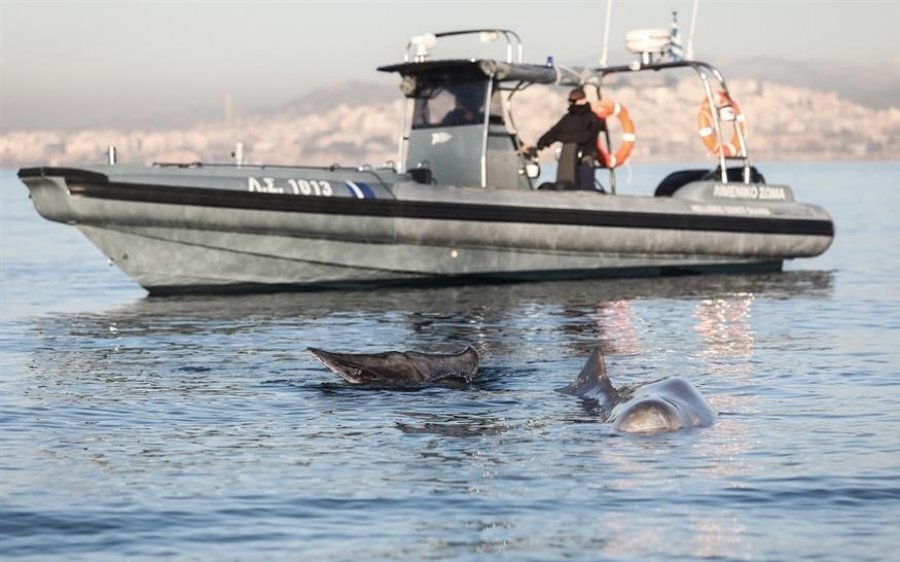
[(199, 428)]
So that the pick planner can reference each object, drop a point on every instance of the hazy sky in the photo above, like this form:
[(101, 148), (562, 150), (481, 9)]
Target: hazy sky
[(102, 63)]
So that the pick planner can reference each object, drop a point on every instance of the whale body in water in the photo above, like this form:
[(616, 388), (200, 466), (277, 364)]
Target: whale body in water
[(402, 368), (665, 405)]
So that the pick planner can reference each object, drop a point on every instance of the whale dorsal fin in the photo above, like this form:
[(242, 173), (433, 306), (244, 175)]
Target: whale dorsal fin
[(592, 381)]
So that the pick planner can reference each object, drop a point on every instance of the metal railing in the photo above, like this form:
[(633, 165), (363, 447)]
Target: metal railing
[(705, 72), (424, 43)]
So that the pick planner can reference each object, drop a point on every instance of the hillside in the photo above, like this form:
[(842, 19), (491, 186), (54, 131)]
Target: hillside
[(358, 123), (870, 85)]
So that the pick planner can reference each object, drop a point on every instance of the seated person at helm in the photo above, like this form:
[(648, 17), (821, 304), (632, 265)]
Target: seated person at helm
[(577, 131), (467, 110)]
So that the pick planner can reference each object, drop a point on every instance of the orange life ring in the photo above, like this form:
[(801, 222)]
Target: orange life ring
[(707, 132), (603, 109)]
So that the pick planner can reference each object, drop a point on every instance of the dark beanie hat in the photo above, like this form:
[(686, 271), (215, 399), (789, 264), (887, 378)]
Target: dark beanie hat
[(576, 94)]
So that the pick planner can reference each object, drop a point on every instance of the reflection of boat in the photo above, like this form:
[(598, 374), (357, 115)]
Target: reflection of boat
[(450, 313), (203, 333), (460, 203)]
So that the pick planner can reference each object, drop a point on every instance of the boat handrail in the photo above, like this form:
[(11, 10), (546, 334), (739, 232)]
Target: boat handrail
[(187, 165), (426, 42), (703, 70), (714, 85), (332, 168)]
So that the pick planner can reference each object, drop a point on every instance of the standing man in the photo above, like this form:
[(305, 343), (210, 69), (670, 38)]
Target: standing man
[(577, 130)]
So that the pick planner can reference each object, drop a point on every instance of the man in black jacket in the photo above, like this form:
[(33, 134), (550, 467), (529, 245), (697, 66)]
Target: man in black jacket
[(577, 130)]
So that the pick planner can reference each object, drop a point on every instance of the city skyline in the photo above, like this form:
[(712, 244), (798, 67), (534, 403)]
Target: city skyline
[(784, 123)]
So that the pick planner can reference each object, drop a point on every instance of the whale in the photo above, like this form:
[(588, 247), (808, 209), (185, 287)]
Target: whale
[(661, 406), (402, 368)]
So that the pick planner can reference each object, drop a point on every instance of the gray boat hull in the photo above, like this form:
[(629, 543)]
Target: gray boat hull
[(177, 230)]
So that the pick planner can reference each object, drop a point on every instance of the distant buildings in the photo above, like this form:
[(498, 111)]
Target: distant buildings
[(785, 123)]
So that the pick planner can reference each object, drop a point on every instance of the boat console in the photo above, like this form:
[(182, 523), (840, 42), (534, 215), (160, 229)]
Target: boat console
[(459, 120)]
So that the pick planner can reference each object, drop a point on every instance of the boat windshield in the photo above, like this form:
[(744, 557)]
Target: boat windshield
[(446, 103)]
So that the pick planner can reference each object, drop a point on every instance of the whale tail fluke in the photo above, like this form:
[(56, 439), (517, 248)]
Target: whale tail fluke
[(344, 365), (592, 381), (402, 368)]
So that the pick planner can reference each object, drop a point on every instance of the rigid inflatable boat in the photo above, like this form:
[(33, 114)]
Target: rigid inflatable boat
[(461, 203)]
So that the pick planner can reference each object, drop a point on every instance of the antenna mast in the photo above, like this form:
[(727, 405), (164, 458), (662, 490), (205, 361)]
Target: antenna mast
[(689, 53), (605, 55)]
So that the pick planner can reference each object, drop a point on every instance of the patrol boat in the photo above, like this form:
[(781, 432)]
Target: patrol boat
[(460, 204)]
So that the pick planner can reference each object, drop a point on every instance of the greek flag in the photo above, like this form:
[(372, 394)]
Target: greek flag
[(676, 51)]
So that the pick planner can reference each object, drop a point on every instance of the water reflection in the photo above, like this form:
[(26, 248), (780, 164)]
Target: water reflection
[(204, 334), (429, 303), (454, 425), (614, 321), (724, 324), (458, 312)]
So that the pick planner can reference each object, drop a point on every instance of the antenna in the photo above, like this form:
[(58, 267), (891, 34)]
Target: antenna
[(689, 53), (605, 54)]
